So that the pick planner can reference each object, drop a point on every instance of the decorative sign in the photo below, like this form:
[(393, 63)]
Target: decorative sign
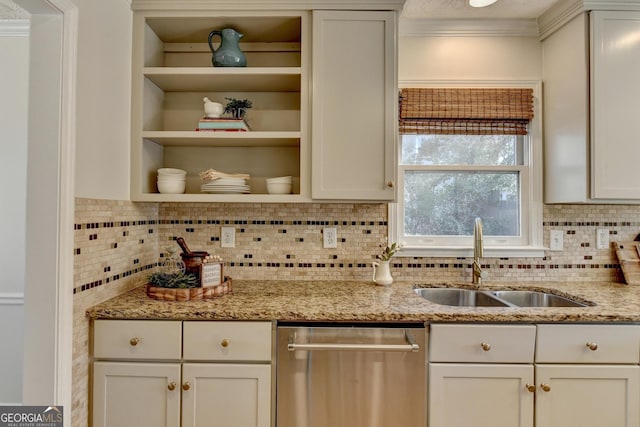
[(211, 274)]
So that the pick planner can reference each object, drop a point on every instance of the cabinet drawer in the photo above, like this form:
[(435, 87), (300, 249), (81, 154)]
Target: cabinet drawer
[(227, 340), (588, 344), (482, 343), (137, 339)]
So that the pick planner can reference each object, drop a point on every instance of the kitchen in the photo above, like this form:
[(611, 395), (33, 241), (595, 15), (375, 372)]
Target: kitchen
[(102, 185)]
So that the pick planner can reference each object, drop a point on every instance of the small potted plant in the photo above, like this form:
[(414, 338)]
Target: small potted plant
[(237, 107), (381, 270), (173, 286)]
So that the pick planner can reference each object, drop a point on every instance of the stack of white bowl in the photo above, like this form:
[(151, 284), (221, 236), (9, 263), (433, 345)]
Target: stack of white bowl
[(280, 185), (172, 181)]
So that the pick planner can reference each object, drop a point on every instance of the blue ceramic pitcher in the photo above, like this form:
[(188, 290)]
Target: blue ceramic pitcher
[(228, 53)]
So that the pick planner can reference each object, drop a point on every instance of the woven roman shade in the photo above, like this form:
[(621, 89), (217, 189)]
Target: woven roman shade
[(465, 111)]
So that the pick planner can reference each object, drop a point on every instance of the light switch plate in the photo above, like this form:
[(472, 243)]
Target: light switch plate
[(227, 237), (556, 240), (330, 237), (602, 238)]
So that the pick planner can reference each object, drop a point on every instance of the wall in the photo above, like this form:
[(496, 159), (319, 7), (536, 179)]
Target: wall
[(118, 242), (14, 50)]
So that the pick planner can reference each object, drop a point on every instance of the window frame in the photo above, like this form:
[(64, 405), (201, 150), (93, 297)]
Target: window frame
[(531, 189)]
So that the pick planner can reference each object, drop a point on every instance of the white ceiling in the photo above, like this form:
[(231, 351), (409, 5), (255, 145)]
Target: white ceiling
[(458, 9)]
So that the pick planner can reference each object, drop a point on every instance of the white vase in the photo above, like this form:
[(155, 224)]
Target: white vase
[(382, 273)]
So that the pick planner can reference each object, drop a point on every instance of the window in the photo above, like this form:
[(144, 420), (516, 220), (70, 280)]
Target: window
[(454, 168)]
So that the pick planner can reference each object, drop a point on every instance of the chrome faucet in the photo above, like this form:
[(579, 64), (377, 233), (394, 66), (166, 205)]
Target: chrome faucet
[(478, 250)]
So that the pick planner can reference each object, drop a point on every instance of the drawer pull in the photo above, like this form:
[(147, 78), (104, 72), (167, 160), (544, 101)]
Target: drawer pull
[(390, 184), (186, 386), (134, 341), (545, 387), (171, 386), (485, 346), (530, 387), (592, 346), (225, 343)]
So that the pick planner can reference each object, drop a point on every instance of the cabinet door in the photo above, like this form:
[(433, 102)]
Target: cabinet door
[(226, 395), (354, 111), (127, 394), (615, 102), (587, 396), (491, 395)]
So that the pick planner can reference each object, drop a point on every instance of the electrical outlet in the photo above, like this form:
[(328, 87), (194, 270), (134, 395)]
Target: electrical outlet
[(556, 239), (602, 238), (227, 237), (330, 238)]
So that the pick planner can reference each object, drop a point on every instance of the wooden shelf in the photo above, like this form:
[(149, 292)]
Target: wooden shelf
[(222, 198), (210, 79), (223, 139)]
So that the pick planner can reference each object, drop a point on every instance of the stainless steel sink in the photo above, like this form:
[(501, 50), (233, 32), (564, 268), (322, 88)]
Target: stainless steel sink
[(459, 297), (535, 299)]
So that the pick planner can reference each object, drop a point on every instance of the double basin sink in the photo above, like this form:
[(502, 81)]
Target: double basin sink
[(460, 297)]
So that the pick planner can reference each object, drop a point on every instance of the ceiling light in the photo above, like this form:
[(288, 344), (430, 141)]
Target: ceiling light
[(481, 3)]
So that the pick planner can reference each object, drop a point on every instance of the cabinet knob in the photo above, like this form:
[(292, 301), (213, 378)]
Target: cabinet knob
[(592, 346), (390, 184), (186, 386), (224, 343), (485, 346), (545, 387), (171, 386), (134, 341), (530, 387)]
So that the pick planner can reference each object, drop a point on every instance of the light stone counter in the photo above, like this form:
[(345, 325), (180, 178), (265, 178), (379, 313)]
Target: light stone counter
[(350, 301)]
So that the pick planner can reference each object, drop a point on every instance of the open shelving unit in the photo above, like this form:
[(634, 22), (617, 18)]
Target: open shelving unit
[(172, 73)]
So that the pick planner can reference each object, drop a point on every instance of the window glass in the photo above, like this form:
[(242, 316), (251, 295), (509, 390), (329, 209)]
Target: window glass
[(446, 203)]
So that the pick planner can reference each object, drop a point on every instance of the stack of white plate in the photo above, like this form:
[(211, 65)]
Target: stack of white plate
[(226, 186), (280, 185), (172, 181)]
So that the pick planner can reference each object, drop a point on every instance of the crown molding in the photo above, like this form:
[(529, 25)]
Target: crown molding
[(14, 27), (143, 5), (468, 27), (564, 11)]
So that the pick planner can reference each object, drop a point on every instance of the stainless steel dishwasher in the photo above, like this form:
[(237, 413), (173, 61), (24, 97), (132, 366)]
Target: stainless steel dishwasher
[(351, 376)]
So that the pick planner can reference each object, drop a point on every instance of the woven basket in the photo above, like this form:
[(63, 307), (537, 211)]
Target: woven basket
[(167, 294)]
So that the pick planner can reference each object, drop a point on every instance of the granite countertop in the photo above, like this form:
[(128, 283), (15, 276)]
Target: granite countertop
[(352, 301)]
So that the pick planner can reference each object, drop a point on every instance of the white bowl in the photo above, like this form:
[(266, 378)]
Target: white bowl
[(169, 179), (166, 172), (279, 187), (167, 187)]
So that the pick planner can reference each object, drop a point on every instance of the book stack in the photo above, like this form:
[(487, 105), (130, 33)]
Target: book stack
[(222, 124)]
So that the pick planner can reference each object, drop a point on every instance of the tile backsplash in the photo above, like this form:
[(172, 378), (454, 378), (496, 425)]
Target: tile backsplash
[(117, 244)]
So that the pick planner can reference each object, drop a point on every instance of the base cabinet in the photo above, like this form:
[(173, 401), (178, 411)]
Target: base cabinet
[(492, 395), (587, 396), (208, 374), (534, 375), (226, 395), (131, 394)]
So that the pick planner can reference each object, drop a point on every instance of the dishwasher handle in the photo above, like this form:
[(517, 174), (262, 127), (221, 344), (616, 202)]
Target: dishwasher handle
[(410, 346)]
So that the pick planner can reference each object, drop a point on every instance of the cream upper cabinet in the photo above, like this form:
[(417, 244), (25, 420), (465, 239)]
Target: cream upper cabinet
[(322, 80), (354, 105), (615, 104), (591, 77)]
